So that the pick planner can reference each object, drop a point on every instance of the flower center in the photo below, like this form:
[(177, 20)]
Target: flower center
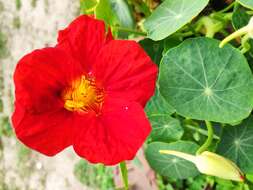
[(83, 96)]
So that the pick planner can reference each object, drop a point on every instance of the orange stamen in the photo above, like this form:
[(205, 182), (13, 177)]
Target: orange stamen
[(83, 96)]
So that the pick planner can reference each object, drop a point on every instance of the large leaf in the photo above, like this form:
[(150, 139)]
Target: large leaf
[(165, 128), (237, 144), (205, 82), (246, 3), (172, 166), (171, 15)]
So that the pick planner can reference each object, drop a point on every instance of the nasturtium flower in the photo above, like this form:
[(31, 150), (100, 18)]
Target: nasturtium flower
[(210, 163), (88, 92)]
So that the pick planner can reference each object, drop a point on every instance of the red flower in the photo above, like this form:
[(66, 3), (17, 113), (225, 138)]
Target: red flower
[(89, 92)]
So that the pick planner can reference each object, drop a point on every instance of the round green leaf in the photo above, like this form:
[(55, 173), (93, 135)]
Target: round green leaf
[(171, 15), (157, 105), (165, 128), (246, 3), (237, 144), (172, 166), (205, 82)]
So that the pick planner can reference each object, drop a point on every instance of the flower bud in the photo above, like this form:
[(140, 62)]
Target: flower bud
[(211, 164)]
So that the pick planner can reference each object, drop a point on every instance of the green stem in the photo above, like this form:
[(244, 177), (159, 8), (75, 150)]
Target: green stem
[(227, 8), (244, 50), (209, 138), (129, 30), (249, 12), (124, 174), (201, 131), (234, 35), (184, 34)]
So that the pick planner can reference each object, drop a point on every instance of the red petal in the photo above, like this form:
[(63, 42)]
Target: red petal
[(39, 119), (84, 38), (114, 136), (48, 133), (126, 71), (41, 76)]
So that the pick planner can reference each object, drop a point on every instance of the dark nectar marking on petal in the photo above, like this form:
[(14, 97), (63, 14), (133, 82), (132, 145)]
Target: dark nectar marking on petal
[(83, 95)]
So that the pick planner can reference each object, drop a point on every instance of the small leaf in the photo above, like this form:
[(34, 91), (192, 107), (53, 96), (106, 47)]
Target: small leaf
[(172, 166), (171, 42), (171, 15), (237, 144), (157, 105), (122, 10), (246, 3), (240, 18), (165, 128), (153, 49), (205, 82), (105, 12), (88, 7)]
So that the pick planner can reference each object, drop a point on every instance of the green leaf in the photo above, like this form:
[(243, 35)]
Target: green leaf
[(169, 165), (171, 42), (246, 3), (237, 144), (153, 49), (171, 15), (157, 105), (240, 18), (165, 128), (105, 12), (205, 82), (87, 7), (122, 10)]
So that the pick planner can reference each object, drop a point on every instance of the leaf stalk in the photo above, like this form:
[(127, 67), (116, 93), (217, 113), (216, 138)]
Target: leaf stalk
[(209, 138)]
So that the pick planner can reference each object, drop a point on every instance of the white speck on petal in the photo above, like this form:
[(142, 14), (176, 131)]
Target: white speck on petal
[(39, 165)]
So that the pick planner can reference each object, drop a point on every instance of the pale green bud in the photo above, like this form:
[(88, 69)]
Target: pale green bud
[(211, 164)]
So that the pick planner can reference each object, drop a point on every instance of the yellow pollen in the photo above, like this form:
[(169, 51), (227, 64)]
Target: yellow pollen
[(83, 96)]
